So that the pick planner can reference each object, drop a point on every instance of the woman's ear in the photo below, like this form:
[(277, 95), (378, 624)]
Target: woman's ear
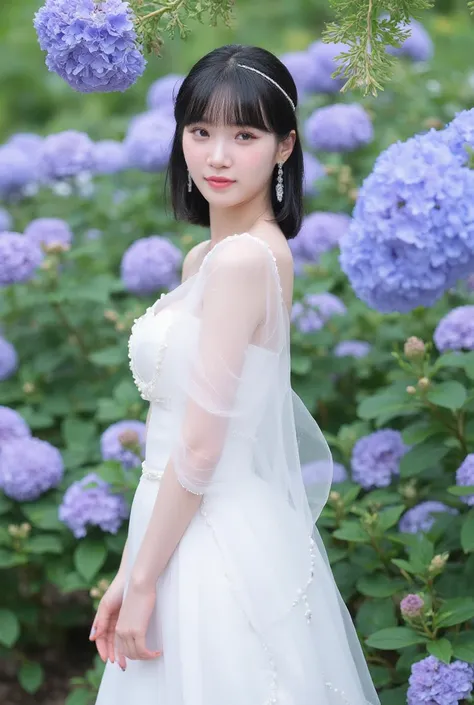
[(285, 147)]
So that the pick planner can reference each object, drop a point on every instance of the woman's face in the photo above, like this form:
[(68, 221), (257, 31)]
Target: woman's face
[(244, 155)]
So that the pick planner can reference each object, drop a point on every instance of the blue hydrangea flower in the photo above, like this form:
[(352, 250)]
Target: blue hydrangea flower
[(352, 348), (28, 468), (6, 220), (340, 473), (12, 425), (459, 133), (8, 359), (17, 171), (46, 231), (29, 142), (320, 231), (455, 331), (418, 46), (66, 154), (311, 314), (92, 46), (339, 127), (90, 502), (163, 92), (433, 682), (112, 442), (324, 55), (412, 232), (148, 141), (376, 458), (422, 516), (19, 258), (313, 171), (304, 70), (465, 477), (311, 472), (109, 157), (151, 264)]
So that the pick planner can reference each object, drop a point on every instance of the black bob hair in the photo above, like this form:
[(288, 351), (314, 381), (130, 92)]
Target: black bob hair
[(218, 91)]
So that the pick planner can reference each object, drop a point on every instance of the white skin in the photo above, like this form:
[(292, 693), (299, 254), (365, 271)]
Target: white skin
[(243, 154)]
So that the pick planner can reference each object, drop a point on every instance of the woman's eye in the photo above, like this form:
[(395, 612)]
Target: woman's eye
[(198, 129), (247, 134)]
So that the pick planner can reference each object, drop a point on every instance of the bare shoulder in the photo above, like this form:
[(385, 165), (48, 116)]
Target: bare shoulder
[(193, 259)]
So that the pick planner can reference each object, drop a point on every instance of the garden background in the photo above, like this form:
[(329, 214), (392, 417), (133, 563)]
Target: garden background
[(386, 367)]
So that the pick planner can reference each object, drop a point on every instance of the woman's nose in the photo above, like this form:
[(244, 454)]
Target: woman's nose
[(218, 155)]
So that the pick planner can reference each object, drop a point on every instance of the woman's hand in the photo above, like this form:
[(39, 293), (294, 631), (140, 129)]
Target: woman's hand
[(103, 627), (132, 624)]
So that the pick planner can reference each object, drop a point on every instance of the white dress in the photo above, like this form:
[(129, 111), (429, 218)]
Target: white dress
[(247, 609)]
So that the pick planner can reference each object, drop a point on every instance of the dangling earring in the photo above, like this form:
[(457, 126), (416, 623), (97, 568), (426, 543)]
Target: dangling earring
[(279, 185), (190, 182)]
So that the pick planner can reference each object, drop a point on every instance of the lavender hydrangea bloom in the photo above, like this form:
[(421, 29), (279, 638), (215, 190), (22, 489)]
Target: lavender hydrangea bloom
[(6, 220), (304, 70), (313, 171), (162, 93), (92, 46), (90, 502), (339, 128), (311, 314), (459, 134), (433, 682), (19, 258), (465, 477), (320, 231), (29, 142), (352, 348), (313, 472), (109, 157), (28, 468), (411, 605), (148, 141), (66, 154), (46, 231), (418, 46), (412, 231), (422, 516), (12, 425), (376, 458), (8, 359), (340, 473), (150, 264), (112, 445), (324, 55), (17, 171), (455, 331)]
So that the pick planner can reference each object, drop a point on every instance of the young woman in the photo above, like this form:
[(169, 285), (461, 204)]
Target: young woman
[(225, 595)]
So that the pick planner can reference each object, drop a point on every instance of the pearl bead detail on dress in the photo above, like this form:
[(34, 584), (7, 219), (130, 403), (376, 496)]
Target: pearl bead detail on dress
[(302, 592)]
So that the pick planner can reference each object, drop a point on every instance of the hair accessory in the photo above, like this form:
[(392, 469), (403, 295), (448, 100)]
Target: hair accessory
[(279, 185), (250, 68)]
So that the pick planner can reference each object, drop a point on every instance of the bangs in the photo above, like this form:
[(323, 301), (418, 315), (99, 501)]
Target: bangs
[(231, 99)]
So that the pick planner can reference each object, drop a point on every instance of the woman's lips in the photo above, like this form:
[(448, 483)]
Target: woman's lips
[(219, 183)]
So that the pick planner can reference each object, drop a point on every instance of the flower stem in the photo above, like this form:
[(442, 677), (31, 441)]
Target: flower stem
[(161, 11)]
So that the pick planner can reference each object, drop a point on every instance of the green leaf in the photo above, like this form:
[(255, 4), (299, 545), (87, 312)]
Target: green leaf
[(374, 615), (455, 611), (379, 585), (404, 565), (81, 696), (8, 559), (418, 432), (467, 532), (421, 457), (78, 433), (89, 557), (442, 649), (387, 402), (463, 646), (9, 627), (44, 543), (469, 364), (450, 359), (43, 515), (421, 553), (108, 357), (351, 531), (395, 638), (389, 517), (461, 490), (30, 676), (449, 395), (300, 364), (5, 504)]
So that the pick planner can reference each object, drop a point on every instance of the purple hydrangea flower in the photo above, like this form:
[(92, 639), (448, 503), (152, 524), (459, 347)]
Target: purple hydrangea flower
[(320, 231), (304, 71), (418, 46), (28, 468), (90, 502), (8, 359), (465, 477), (17, 171), (422, 516), (411, 605), (19, 258), (148, 141), (455, 331), (109, 157), (150, 264), (325, 56), (311, 314), (6, 220), (163, 92), (46, 231), (313, 171), (412, 232), (27, 141), (352, 348), (340, 473), (339, 128), (433, 682), (92, 46), (376, 458), (114, 445), (460, 133), (12, 425), (66, 154), (314, 472)]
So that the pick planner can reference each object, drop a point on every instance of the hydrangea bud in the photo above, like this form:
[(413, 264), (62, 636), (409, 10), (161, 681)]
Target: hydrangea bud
[(424, 383), (411, 606), (414, 348)]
